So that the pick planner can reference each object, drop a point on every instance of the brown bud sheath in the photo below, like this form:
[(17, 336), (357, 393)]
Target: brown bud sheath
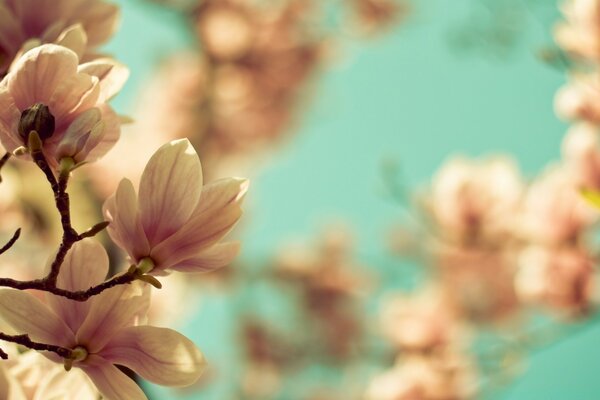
[(36, 118)]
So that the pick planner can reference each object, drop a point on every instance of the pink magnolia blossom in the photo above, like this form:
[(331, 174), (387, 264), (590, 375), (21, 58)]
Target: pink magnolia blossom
[(561, 278), (580, 33), (103, 331), (442, 377), (473, 198), (553, 211), (424, 321), (175, 223), (579, 99), (581, 152), (76, 95), (81, 25)]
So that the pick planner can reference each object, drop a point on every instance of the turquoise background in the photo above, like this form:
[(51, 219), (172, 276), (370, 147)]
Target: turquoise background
[(412, 96)]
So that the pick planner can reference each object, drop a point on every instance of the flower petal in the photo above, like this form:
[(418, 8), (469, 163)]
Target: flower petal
[(85, 265), (39, 72), (73, 38), (126, 228), (160, 355), (214, 257), (110, 382), (170, 188), (111, 311), (218, 210), (112, 76), (28, 315)]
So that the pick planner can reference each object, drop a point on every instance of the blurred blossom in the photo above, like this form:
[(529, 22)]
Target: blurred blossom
[(581, 152), (474, 200), (424, 321), (31, 376), (329, 281), (445, 376), (580, 33), (478, 281), (373, 16), (553, 211), (561, 278), (81, 25), (578, 100)]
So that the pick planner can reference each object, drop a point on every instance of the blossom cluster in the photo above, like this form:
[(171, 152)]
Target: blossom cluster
[(55, 115)]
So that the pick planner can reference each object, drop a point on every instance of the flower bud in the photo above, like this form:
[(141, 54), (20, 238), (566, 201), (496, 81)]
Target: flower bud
[(36, 118)]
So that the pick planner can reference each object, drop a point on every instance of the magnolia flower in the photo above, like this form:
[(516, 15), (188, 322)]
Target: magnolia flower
[(581, 151), (580, 34), (103, 331), (553, 211), (447, 377), (579, 99), (65, 102), (561, 278), (424, 321), (470, 198), (81, 25), (174, 223)]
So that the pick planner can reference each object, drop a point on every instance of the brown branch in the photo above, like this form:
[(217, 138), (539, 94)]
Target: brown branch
[(24, 340), (81, 295), (62, 202), (11, 242), (3, 161)]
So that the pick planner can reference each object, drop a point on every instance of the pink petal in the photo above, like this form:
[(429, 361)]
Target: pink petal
[(9, 120), (214, 257), (112, 76), (110, 382), (74, 95), (39, 72), (125, 227), (217, 212), (28, 315), (111, 311), (169, 189), (86, 265), (112, 132), (74, 38), (160, 355)]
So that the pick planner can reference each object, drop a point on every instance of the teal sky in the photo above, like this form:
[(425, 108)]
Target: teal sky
[(409, 96)]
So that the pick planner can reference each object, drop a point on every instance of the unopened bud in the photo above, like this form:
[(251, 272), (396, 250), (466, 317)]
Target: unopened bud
[(37, 118)]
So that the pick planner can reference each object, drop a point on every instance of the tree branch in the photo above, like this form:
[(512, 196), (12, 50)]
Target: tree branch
[(24, 340)]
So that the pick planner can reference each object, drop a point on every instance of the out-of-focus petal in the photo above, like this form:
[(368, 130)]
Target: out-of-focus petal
[(28, 315), (160, 355), (112, 383), (214, 257), (218, 210), (169, 189), (100, 22)]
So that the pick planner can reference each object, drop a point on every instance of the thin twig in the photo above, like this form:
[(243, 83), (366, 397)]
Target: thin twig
[(11, 242), (3, 161)]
